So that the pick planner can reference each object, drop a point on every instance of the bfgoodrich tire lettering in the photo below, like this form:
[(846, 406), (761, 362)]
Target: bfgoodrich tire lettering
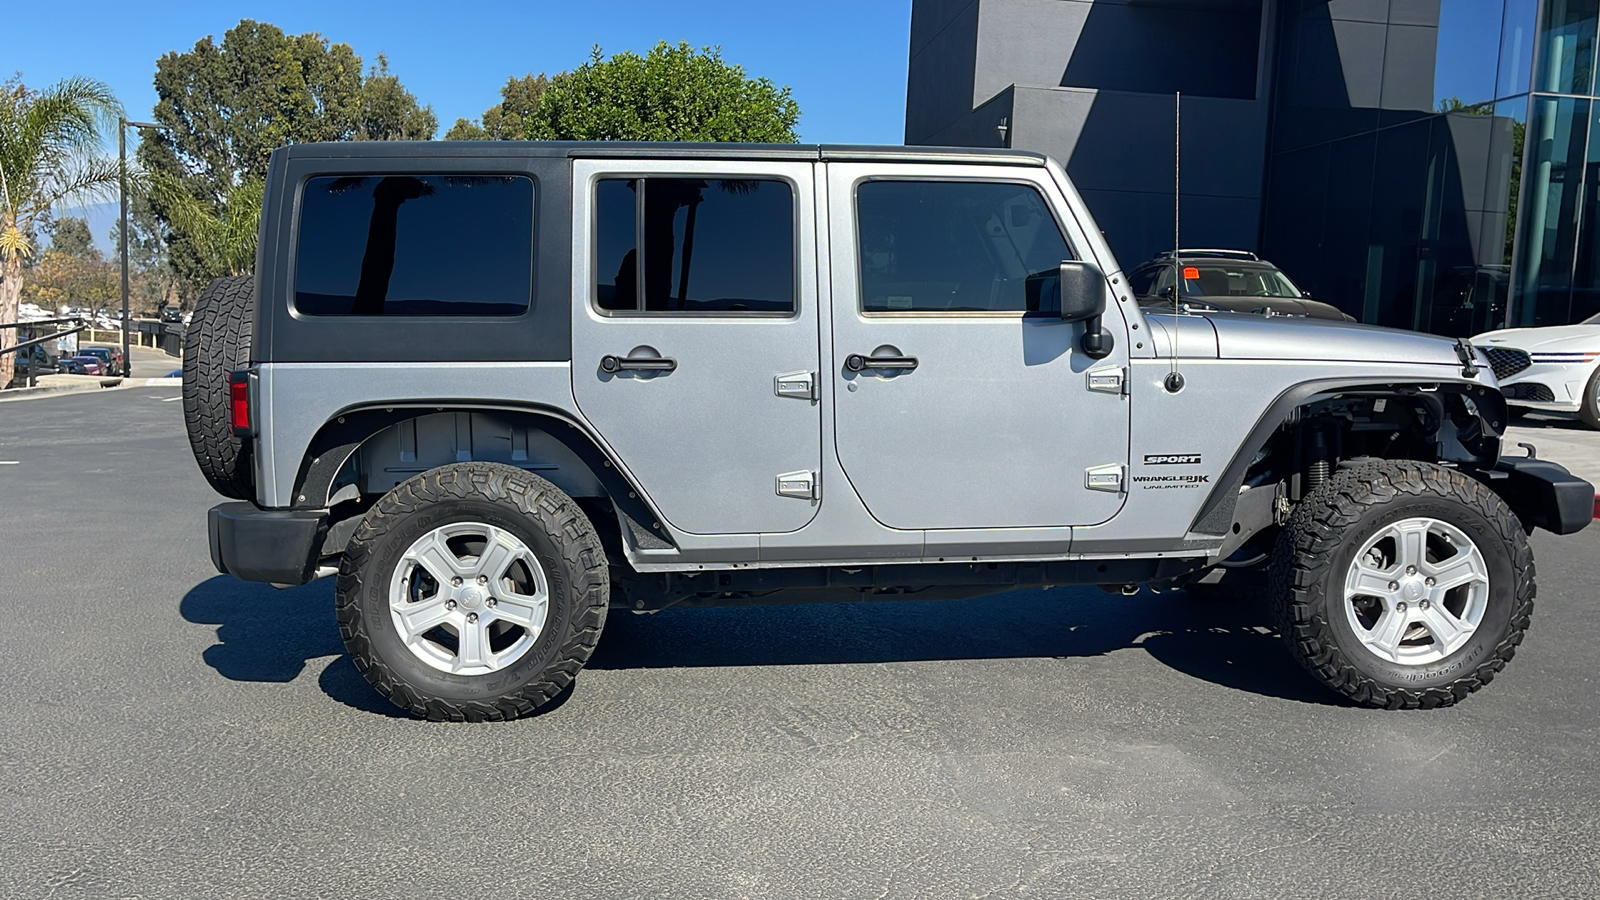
[(1317, 549), (540, 518)]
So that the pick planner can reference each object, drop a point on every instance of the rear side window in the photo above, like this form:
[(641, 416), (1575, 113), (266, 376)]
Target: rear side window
[(415, 245), (956, 246), (711, 245)]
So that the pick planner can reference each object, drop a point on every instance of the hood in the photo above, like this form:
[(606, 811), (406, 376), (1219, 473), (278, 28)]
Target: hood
[(1551, 337), (1246, 336)]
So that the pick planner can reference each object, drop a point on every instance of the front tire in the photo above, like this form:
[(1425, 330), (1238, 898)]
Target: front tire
[(1403, 585), (472, 592), (1589, 407)]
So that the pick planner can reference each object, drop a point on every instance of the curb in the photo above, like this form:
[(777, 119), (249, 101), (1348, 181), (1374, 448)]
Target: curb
[(93, 383)]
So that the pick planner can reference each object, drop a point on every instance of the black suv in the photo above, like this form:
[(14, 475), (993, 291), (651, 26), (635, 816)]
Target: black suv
[(1225, 280)]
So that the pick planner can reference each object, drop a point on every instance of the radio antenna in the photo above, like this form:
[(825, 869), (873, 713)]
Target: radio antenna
[(1174, 380)]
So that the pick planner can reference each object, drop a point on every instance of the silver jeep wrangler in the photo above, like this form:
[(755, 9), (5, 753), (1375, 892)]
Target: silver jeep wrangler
[(498, 388)]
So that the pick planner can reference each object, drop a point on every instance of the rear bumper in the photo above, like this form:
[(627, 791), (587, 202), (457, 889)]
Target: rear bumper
[(279, 546), (1543, 494)]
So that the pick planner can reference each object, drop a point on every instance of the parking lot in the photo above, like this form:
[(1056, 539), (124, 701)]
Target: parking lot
[(173, 733)]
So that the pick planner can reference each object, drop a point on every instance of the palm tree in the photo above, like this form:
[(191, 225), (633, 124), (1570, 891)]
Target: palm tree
[(50, 150), (222, 231)]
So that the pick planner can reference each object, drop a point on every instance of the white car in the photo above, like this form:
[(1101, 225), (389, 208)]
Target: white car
[(1550, 369)]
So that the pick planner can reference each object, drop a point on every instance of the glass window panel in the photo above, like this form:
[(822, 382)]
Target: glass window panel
[(402, 245), (1516, 47), (616, 239), (945, 246), (1469, 33), (719, 245), (1566, 47), (1548, 209), (1586, 272)]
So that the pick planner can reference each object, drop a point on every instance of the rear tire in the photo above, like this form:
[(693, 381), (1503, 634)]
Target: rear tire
[(1360, 576), (216, 343), (472, 592)]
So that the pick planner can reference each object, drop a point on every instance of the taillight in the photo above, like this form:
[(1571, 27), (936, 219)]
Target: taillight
[(239, 401)]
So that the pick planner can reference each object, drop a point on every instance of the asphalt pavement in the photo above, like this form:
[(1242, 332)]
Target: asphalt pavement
[(169, 732)]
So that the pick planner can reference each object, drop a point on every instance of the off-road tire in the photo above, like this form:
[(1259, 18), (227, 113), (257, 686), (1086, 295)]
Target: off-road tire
[(1589, 406), (216, 343), (1314, 553), (548, 521)]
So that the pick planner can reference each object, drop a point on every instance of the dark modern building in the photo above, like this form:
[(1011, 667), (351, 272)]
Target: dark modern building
[(1429, 164)]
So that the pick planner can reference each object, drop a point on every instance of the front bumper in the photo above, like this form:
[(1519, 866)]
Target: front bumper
[(1547, 386), (278, 546), (1543, 494)]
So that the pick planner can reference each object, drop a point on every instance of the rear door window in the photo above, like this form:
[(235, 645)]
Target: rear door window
[(711, 245), (415, 245)]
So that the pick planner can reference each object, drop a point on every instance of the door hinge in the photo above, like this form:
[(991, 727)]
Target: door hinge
[(1104, 478), (1109, 380), (801, 485), (801, 385)]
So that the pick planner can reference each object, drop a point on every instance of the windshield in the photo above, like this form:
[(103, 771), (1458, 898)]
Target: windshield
[(1236, 281)]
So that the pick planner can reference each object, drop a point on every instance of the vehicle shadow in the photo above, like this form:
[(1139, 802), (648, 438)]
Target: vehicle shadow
[(269, 635)]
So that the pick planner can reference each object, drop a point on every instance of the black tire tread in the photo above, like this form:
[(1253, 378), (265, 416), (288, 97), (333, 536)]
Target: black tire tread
[(534, 497), (1589, 406), (1308, 544), (217, 342)]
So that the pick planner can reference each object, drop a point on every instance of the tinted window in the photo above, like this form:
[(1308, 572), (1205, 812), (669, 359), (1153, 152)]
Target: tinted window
[(710, 245), (1141, 280), (955, 246), (401, 245)]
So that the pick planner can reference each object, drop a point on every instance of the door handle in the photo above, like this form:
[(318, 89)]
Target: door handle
[(610, 363), (855, 362)]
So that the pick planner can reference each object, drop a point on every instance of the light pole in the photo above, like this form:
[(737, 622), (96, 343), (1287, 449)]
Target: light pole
[(122, 194)]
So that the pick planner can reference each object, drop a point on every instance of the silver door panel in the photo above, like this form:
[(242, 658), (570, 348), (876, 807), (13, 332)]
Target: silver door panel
[(996, 426), (707, 440)]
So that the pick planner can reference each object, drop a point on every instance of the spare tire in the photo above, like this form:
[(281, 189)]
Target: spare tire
[(216, 343)]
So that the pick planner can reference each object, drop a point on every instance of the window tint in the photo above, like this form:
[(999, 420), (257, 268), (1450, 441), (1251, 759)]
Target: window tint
[(1141, 281), (710, 245), (948, 246), (402, 245)]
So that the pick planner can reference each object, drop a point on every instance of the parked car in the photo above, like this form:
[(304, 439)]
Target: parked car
[(92, 365), (171, 314), (72, 366), (1553, 368), (110, 358), (892, 372), (1225, 280), (36, 359)]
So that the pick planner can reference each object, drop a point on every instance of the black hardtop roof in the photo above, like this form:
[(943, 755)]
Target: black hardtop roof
[(658, 149)]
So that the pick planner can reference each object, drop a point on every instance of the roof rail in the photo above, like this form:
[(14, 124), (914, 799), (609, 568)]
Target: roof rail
[(1209, 251)]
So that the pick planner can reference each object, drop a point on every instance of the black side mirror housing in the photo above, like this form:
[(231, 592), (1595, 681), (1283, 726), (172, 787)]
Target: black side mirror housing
[(1082, 289)]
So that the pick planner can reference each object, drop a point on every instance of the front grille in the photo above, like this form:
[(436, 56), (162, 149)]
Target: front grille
[(1538, 393), (1506, 361)]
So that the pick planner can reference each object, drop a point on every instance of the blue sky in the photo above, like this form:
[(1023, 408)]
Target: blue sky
[(846, 61)]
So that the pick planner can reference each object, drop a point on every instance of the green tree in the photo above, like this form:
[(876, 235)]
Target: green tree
[(70, 235), (674, 93), (152, 282), (50, 150), (227, 106), (508, 119)]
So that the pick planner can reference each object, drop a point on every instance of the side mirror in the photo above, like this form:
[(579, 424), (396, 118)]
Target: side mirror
[(1083, 299), (1083, 291)]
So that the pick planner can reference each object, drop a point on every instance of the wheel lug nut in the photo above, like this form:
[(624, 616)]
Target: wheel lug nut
[(491, 601), (1411, 570), (1423, 604), (1394, 585), (483, 579), (449, 604), (472, 617), (455, 582), (1429, 582), (1401, 606)]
